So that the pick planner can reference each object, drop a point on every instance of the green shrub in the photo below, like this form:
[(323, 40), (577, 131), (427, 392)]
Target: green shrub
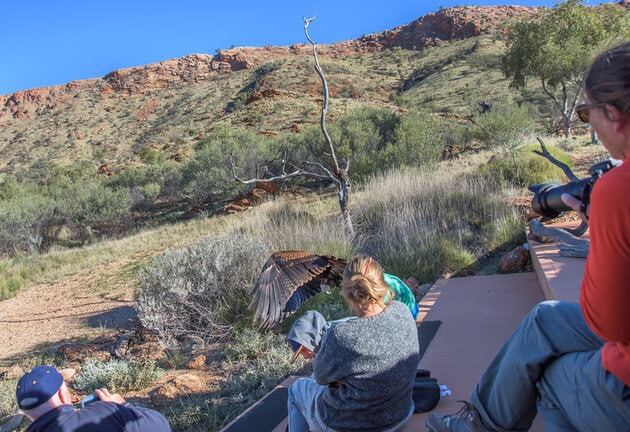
[(375, 140), (116, 376), (417, 141), (152, 156), (202, 290), (166, 176), (208, 175), (19, 221), (91, 202), (522, 167), (503, 126)]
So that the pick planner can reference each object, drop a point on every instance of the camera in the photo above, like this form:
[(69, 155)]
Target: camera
[(547, 202)]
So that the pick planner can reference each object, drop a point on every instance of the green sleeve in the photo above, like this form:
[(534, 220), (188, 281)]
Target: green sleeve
[(401, 291)]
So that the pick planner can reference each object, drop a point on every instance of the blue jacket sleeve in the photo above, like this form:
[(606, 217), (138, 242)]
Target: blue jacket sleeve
[(139, 419)]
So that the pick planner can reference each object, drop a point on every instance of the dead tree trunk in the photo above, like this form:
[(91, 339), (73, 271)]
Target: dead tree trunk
[(566, 103), (339, 175)]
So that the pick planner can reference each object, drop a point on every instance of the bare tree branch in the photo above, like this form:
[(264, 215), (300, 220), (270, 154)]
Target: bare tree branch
[(564, 167), (299, 172), (333, 155), (569, 245), (323, 168), (550, 94)]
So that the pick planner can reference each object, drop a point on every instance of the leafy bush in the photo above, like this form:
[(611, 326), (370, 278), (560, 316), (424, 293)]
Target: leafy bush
[(19, 221), (375, 140), (91, 202), (522, 167), (163, 180), (116, 376), (503, 126), (151, 155), (208, 175), (202, 290), (417, 141)]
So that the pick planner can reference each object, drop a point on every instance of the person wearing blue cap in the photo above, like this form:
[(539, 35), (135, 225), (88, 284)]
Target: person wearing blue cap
[(43, 396)]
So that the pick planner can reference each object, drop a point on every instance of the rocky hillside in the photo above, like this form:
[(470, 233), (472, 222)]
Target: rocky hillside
[(170, 105)]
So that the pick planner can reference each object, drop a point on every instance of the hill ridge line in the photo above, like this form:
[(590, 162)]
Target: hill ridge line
[(457, 22)]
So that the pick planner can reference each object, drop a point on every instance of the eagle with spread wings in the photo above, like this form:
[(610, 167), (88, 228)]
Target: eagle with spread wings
[(288, 279)]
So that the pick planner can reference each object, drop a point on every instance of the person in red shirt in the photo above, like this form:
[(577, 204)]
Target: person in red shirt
[(570, 362)]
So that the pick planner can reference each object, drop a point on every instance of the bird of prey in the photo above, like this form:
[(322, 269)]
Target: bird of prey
[(288, 279)]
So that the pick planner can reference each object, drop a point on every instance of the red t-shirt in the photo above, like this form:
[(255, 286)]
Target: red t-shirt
[(605, 293)]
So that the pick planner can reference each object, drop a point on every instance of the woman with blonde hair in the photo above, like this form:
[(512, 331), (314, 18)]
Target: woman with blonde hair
[(364, 369)]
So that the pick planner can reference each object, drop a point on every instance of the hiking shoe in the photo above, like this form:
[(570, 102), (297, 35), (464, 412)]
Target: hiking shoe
[(465, 420)]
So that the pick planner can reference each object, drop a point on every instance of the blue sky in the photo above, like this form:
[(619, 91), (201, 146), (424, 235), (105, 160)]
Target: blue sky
[(47, 42)]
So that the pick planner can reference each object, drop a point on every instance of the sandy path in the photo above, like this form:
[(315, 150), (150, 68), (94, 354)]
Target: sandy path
[(82, 306)]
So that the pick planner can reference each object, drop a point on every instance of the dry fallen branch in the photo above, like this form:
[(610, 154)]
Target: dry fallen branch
[(569, 245), (564, 167)]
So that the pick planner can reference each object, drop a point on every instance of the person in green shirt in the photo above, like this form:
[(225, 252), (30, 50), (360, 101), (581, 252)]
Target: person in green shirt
[(402, 293)]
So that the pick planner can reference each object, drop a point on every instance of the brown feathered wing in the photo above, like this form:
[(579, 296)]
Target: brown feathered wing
[(288, 279)]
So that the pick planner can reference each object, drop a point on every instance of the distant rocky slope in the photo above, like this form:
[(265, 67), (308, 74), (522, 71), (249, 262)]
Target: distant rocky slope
[(170, 105)]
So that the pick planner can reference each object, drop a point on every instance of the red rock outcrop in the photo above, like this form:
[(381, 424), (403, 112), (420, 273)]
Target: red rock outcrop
[(187, 69), (446, 24)]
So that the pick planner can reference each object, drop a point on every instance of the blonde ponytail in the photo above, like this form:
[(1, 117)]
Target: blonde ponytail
[(363, 283)]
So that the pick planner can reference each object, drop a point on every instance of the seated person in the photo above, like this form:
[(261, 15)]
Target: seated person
[(571, 362), (311, 326), (364, 369), (43, 396)]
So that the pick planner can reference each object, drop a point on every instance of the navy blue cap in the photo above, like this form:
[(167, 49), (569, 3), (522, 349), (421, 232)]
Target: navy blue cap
[(37, 386)]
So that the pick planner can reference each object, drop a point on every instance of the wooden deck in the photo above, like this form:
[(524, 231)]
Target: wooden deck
[(559, 277)]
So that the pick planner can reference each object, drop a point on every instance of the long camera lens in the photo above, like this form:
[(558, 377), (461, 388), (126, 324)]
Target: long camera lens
[(547, 201)]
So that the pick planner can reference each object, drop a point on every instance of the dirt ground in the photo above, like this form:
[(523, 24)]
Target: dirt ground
[(76, 308)]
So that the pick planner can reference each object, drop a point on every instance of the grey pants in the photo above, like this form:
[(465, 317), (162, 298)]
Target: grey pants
[(552, 364)]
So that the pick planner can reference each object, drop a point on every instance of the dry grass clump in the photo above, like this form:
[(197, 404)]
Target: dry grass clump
[(314, 226), (422, 224)]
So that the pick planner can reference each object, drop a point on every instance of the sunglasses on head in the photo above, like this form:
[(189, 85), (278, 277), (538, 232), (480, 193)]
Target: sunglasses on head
[(583, 110)]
